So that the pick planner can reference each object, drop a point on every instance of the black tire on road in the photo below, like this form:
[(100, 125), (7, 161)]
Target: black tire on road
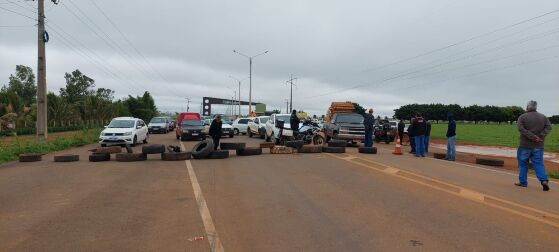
[(129, 149), (99, 157), (67, 158), (153, 149), (439, 155), (232, 146), (249, 151), (490, 162), (131, 157), (329, 149), (203, 149), (30, 157), (175, 156), (297, 144), (337, 143), (218, 154), (311, 149), (368, 150)]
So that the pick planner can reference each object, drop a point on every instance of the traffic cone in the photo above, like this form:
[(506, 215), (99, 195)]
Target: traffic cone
[(398, 147)]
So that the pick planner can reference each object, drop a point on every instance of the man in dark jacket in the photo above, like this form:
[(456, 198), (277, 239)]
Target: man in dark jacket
[(427, 134), (411, 135), (533, 128), (451, 139), (401, 126), (419, 129), (215, 131), (294, 122), (369, 123)]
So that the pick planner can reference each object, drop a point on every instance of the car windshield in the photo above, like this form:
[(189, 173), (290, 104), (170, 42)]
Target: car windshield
[(121, 124), (285, 118), (264, 119), (191, 123), (157, 120), (353, 118)]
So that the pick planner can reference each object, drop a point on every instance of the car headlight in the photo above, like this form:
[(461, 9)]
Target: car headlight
[(128, 133)]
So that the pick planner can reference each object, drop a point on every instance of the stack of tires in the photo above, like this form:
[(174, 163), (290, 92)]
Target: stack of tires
[(335, 146), (103, 154)]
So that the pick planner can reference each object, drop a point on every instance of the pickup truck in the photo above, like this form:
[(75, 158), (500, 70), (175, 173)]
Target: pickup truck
[(345, 126)]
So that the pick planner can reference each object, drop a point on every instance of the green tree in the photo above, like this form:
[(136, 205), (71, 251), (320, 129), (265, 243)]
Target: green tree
[(23, 85), (142, 107), (78, 86), (358, 109), (58, 109)]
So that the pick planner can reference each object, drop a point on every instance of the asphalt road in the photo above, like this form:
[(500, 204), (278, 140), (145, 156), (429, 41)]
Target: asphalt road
[(295, 202)]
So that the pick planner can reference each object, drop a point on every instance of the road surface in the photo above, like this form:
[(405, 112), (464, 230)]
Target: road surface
[(298, 202)]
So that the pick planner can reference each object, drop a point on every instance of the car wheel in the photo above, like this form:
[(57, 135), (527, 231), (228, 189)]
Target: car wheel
[(146, 139), (249, 133), (236, 131), (231, 135), (267, 137), (134, 141), (103, 145)]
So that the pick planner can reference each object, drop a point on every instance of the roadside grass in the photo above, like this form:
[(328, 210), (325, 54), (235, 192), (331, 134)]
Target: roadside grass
[(553, 174), (11, 151), (493, 134)]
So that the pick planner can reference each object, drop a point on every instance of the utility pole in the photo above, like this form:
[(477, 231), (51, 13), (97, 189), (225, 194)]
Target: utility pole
[(287, 106), (249, 77), (290, 82), (239, 98), (187, 104), (41, 75)]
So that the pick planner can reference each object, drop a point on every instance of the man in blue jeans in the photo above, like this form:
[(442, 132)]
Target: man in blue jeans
[(533, 128), (451, 139), (419, 128), (369, 123)]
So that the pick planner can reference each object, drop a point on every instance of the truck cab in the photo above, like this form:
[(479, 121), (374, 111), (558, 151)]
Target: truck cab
[(345, 126)]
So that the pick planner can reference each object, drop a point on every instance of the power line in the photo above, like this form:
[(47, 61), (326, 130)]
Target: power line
[(413, 71), (17, 13), (127, 40), (20, 6)]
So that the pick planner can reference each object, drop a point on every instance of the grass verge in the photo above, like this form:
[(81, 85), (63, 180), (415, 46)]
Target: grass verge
[(12, 150), (493, 134), (553, 174)]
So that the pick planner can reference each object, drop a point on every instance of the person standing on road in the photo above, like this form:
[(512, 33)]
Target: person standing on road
[(427, 134), (401, 126), (215, 131), (419, 129), (533, 128), (294, 123), (411, 135), (369, 123), (451, 139)]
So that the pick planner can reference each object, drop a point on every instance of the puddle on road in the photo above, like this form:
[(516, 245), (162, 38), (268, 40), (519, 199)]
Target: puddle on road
[(494, 151)]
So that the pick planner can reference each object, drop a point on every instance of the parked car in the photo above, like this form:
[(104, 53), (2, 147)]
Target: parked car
[(226, 129), (189, 126), (240, 125), (345, 126), (273, 131), (124, 130), (159, 124), (257, 126)]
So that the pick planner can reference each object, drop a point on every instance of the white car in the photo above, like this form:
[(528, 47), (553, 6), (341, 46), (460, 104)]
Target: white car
[(240, 125), (257, 126), (124, 130), (159, 124), (226, 129), (272, 132)]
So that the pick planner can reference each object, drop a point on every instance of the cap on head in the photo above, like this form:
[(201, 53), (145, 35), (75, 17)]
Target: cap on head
[(218, 116), (532, 106), (370, 110), (294, 111)]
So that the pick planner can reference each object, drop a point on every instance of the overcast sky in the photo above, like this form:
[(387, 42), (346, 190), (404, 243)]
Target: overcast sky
[(381, 54)]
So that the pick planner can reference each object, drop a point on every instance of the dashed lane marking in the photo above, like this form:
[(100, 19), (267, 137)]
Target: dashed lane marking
[(211, 232), (502, 204)]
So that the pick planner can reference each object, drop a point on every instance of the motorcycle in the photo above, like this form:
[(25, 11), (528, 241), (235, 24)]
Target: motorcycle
[(310, 133)]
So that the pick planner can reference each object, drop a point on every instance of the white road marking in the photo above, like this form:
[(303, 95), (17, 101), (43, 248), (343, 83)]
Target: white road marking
[(211, 232), (493, 170)]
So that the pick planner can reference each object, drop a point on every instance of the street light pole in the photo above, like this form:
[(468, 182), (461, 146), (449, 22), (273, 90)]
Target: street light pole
[(250, 77), (41, 75)]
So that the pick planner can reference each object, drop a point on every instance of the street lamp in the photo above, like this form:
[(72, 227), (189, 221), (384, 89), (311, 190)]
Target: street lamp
[(249, 77), (239, 81)]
